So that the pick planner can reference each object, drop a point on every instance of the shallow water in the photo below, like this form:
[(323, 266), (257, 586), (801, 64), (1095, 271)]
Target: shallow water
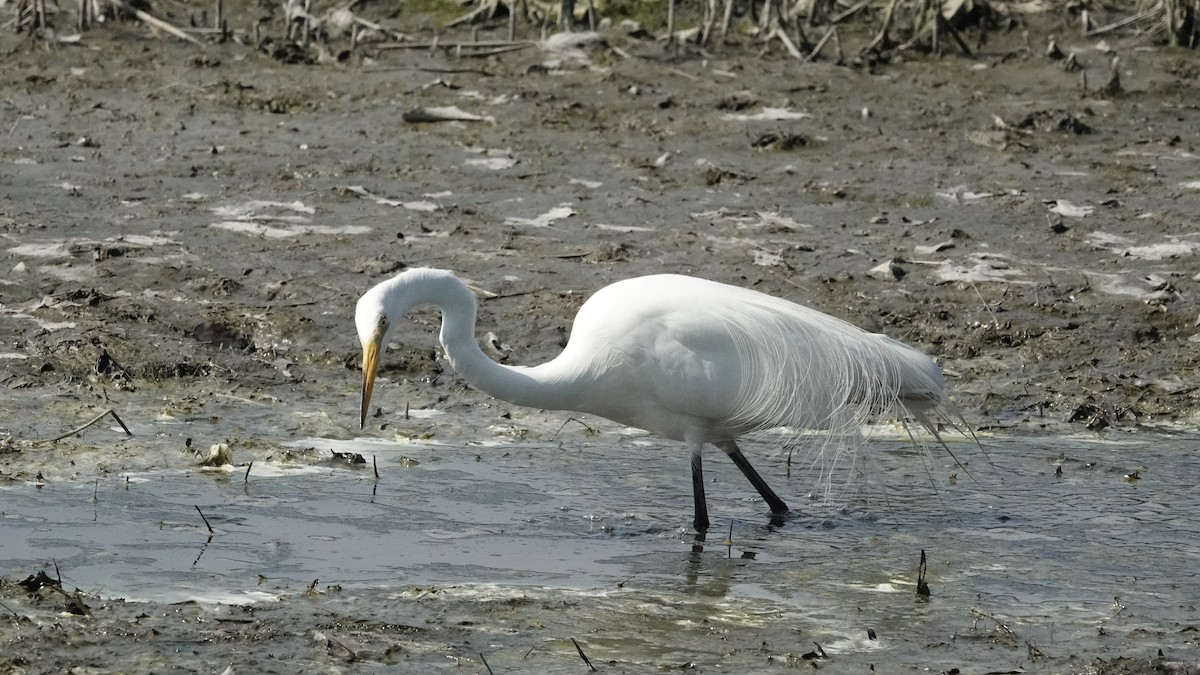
[(1089, 561)]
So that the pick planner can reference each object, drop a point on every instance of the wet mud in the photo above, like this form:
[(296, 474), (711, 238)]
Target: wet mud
[(184, 232)]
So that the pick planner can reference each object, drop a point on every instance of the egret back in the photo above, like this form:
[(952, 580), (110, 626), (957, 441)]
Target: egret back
[(682, 356)]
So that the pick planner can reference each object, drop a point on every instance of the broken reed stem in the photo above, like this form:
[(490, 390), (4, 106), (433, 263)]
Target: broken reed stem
[(880, 41), (10, 609), (670, 43), (246, 478), (821, 43), (435, 44), (375, 464), (1122, 23), (801, 38), (485, 663), (787, 44), (156, 22), (764, 17), (850, 12), (210, 530), (922, 585), (726, 19), (581, 423), (582, 655), (936, 31), (710, 20), (940, 20), (980, 614), (89, 423), (1170, 22)]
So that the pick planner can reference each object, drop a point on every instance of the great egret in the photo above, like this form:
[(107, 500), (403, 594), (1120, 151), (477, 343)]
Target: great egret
[(689, 359)]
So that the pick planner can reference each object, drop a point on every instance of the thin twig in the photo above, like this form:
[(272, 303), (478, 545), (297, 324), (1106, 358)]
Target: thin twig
[(89, 423), (995, 321), (210, 529), (980, 614), (246, 478), (583, 656), (485, 664), (589, 430), (10, 609)]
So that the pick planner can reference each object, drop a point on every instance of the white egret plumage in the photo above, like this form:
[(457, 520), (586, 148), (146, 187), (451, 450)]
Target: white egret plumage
[(688, 359)]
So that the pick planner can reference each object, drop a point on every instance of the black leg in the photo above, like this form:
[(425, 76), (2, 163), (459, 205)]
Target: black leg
[(701, 521), (772, 499)]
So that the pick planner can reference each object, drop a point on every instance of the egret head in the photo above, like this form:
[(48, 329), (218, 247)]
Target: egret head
[(373, 326), (382, 307)]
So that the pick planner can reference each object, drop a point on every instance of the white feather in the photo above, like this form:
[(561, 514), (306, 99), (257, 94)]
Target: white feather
[(689, 359)]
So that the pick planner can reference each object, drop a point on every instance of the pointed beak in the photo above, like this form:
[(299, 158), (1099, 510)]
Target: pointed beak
[(370, 366)]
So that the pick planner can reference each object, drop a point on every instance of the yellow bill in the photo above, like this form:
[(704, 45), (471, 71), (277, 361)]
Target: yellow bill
[(370, 365)]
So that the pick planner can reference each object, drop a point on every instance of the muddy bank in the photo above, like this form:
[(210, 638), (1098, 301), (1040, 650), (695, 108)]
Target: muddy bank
[(178, 221)]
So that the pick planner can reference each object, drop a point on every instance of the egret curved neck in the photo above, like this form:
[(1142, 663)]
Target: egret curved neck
[(537, 387)]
